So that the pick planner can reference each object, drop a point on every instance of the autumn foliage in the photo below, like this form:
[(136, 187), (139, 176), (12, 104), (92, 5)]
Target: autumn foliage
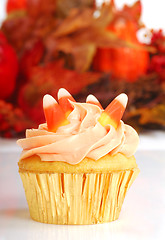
[(49, 44), (8, 68)]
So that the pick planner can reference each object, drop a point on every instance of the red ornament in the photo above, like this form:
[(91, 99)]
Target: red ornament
[(158, 65), (8, 68), (13, 5), (158, 41)]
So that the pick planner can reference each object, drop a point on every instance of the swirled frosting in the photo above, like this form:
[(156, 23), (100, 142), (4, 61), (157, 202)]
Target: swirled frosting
[(83, 137)]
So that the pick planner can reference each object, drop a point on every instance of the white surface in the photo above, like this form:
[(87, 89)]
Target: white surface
[(142, 215)]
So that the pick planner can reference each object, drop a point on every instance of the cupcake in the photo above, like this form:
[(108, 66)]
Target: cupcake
[(78, 166)]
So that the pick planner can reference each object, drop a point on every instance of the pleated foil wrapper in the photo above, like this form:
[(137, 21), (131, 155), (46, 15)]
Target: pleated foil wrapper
[(81, 198)]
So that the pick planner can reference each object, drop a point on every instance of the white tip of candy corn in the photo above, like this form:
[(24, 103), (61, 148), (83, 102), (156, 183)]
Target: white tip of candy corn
[(123, 99), (63, 93), (91, 98), (48, 100)]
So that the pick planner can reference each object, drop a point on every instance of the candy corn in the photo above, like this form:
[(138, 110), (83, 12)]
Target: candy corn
[(63, 97), (114, 112), (93, 100), (54, 115)]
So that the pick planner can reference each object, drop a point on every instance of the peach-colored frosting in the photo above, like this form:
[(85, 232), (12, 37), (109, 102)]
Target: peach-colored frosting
[(83, 137)]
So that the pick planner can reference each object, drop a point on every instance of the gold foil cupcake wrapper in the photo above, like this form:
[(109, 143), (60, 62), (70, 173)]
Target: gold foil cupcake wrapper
[(66, 198)]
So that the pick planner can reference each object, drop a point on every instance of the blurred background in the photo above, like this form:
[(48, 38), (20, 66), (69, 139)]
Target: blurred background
[(86, 47), (99, 47), (152, 14)]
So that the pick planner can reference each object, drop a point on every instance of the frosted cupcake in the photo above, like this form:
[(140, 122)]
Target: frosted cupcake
[(78, 166)]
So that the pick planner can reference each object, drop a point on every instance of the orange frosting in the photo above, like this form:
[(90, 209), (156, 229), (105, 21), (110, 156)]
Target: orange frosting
[(83, 137)]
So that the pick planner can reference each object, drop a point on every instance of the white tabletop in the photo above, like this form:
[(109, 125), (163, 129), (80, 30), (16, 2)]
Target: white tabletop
[(142, 215)]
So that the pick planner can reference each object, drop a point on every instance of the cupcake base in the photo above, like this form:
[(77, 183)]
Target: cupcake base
[(81, 198)]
